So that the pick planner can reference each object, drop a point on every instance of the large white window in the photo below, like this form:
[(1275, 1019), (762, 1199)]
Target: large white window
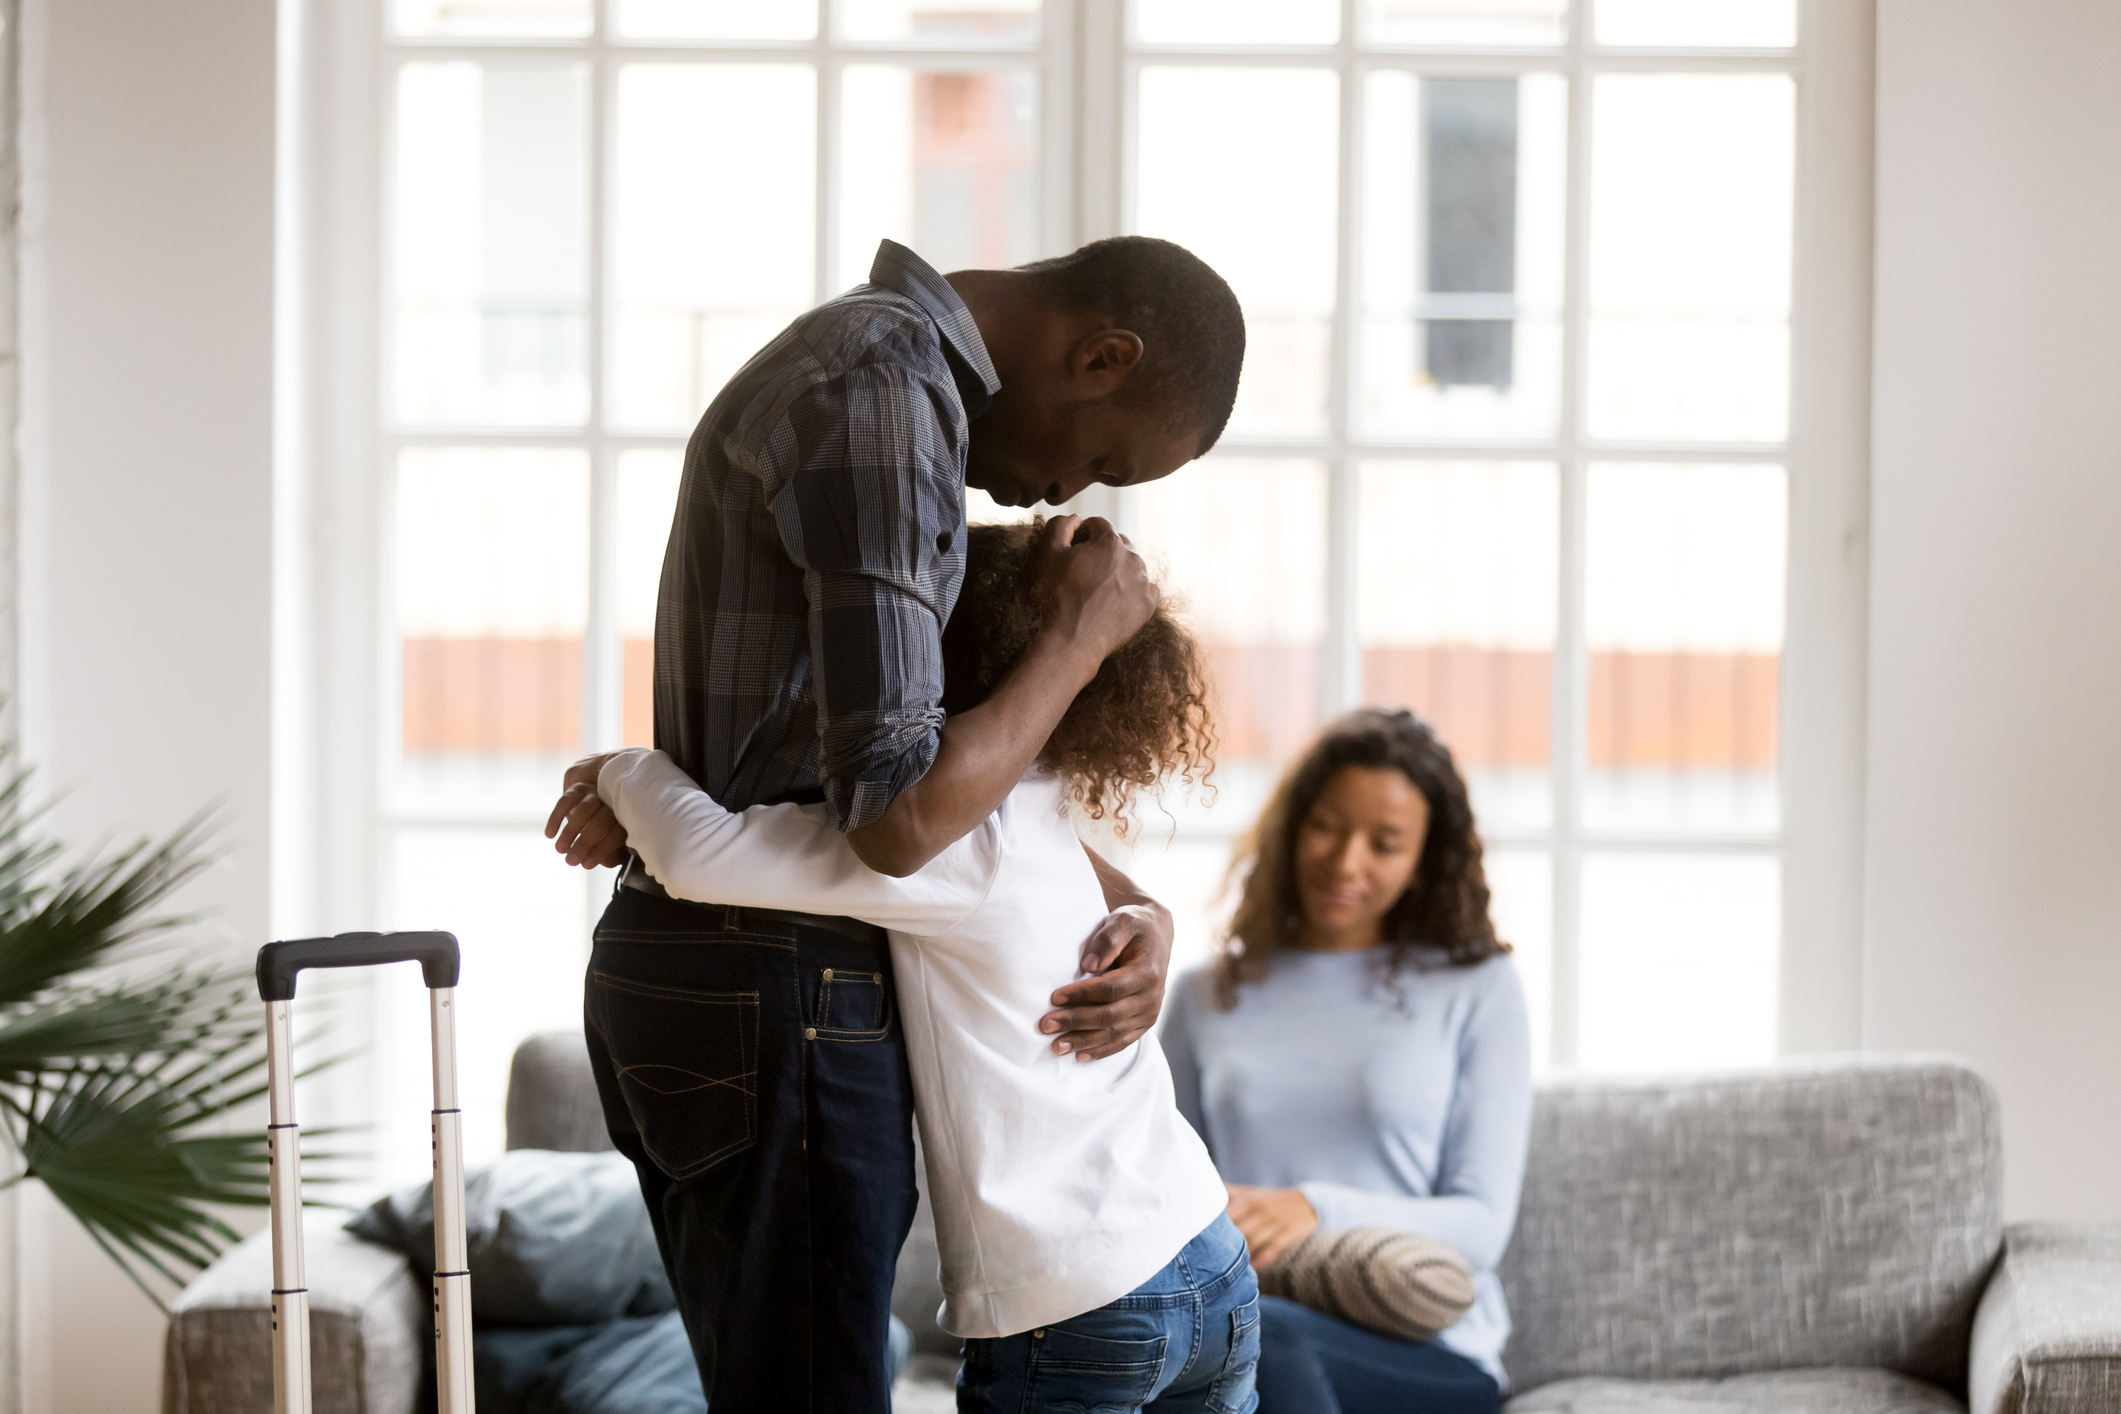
[(1513, 450), (1516, 444)]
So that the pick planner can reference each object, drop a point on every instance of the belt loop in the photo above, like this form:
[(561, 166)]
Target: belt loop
[(732, 918)]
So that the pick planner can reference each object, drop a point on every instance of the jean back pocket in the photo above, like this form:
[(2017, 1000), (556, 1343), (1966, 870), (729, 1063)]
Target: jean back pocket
[(687, 1065), (1074, 1373), (1232, 1392)]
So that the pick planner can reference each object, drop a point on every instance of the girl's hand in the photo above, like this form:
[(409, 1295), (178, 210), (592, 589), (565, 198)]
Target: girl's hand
[(1272, 1219), (581, 826)]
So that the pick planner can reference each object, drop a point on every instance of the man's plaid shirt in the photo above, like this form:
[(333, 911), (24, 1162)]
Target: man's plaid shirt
[(818, 549)]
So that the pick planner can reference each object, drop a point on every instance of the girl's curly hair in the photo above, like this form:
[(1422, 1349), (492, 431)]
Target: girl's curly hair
[(1144, 717), (1444, 910)]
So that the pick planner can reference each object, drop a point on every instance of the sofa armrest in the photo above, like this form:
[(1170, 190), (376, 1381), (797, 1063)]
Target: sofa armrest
[(2047, 1334), (370, 1329)]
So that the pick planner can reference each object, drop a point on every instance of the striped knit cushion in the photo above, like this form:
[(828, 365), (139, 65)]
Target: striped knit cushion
[(1378, 1278)]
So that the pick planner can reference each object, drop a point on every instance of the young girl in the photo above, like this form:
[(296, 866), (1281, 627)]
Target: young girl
[(1086, 1256)]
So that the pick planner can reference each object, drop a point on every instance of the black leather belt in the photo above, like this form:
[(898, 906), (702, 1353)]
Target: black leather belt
[(736, 918)]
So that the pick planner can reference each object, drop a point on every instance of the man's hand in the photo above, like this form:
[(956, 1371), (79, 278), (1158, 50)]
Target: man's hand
[(582, 827), (1272, 1219), (1093, 588), (1130, 957), (1093, 594)]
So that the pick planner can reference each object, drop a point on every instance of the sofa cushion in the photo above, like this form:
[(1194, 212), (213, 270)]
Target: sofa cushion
[(552, 1096), (554, 1239), (369, 1329), (1777, 1392), (1840, 1212)]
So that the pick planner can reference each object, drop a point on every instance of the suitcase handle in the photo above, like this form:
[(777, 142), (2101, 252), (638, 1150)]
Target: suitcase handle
[(278, 963)]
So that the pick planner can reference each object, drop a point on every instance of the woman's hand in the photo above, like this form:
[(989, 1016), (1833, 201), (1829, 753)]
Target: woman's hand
[(1272, 1219), (582, 826)]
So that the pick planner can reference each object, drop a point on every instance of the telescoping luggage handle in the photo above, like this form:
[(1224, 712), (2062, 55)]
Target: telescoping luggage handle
[(279, 964)]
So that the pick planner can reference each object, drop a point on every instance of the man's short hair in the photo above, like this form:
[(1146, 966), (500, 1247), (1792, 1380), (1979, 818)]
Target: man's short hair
[(1192, 330)]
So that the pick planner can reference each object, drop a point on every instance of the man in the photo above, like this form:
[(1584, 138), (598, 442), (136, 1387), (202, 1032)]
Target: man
[(750, 1063)]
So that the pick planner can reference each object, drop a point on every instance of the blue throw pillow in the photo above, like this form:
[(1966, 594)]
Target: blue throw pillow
[(554, 1239), (639, 1366)]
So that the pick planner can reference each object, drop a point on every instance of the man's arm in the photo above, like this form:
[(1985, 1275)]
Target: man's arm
[(1130, 958), (1096, 592)]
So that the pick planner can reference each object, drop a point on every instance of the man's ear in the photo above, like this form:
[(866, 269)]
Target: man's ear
[(1107, 357)]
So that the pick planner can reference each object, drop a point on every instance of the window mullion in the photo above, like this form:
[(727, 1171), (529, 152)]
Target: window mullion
[(1571, 659), (1104, 116), (601, 651), (1340, 686), (829, 64)]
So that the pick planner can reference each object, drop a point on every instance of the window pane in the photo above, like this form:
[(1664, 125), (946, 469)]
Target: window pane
[(491, 19), (490, 265), (648, 499), (1249, 561), (1690, 256), (1709, 24), (521, 917), (941, 21), (715, 19), (1455, 610), (1239, 166), (1237, 21), (1683, 606), (1455, 22), (1521, 882), (492, 598), (1464, 183), (1185, 874), (1678, 963), (715, 242), (946, 163)]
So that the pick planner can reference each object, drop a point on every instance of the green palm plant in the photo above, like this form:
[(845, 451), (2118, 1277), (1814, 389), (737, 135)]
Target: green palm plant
[(121, 1055)]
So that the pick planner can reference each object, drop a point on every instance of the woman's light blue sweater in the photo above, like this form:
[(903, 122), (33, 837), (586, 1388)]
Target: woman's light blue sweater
[(1408, 1111)]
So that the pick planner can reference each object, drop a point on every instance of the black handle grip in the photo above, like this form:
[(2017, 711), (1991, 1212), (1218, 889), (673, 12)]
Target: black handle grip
[(279, 962)]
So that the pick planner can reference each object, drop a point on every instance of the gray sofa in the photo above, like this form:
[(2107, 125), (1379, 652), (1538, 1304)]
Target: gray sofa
[(1818, 1238)]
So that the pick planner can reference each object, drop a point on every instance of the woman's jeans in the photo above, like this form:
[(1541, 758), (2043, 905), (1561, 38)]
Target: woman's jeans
[(1186, 1339), (1312, 1364)]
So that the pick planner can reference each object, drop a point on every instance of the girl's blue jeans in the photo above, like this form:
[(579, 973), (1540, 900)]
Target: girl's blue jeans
[(1186, 1339)]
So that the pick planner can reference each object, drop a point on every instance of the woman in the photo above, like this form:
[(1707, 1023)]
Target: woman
[(1359, 1055)]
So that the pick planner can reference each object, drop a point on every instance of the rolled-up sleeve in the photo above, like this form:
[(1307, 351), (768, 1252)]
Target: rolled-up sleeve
[(872, 515)]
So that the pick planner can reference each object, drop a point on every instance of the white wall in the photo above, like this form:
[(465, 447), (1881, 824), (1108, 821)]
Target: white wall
[(147, 440), (1994, 827)]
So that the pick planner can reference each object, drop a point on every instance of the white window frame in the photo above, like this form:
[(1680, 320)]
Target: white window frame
[(1824, 455), (335, 667)]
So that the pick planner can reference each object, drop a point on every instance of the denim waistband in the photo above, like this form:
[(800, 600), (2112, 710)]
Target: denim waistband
[(1202, 1250), (732, 917)]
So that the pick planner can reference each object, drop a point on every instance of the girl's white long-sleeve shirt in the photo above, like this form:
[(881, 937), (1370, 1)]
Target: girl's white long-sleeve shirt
[(1058, 1185)]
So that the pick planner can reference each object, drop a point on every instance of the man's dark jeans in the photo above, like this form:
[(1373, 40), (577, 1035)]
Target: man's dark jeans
[(754, 1070)]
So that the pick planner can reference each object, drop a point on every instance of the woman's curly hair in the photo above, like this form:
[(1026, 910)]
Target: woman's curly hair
[(1143, 718), (1444, 911)]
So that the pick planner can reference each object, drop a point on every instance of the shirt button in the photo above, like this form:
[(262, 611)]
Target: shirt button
[(809, 1033), (942, 542)]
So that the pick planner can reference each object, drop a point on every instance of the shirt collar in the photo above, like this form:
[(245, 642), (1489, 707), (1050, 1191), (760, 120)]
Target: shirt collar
[(897, 268)]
